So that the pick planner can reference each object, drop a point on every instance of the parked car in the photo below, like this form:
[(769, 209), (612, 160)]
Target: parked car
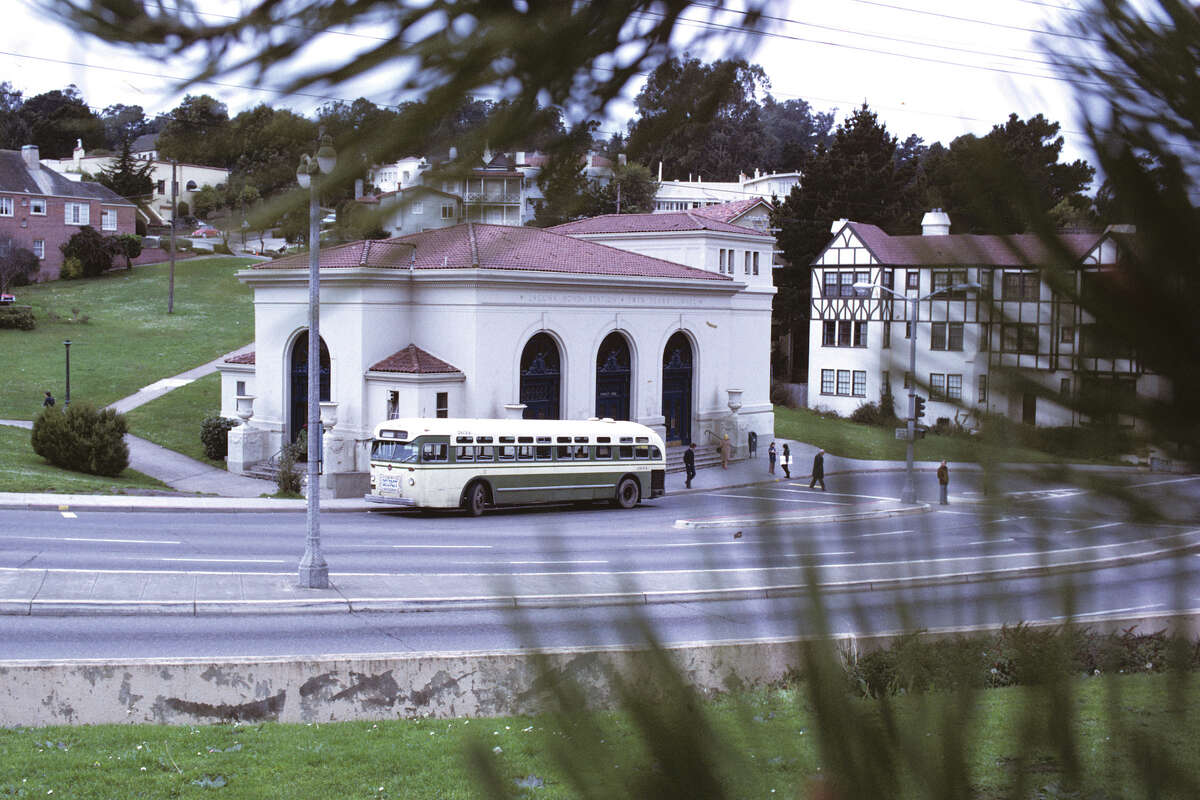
[(204, 233), (7, 299)]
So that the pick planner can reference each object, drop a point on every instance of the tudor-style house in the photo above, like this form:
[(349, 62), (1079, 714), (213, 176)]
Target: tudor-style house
[(40, 209), (482, 320), (970, 342)]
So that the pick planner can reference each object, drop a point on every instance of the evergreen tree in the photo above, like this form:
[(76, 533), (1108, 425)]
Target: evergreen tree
[(128, 176)]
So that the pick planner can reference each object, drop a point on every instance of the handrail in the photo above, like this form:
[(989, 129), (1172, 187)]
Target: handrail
[(714, 436)]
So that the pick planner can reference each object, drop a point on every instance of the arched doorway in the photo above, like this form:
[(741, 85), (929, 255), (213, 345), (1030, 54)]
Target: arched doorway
[(677, 388), (298, 417), (612, 377), (540, 377)]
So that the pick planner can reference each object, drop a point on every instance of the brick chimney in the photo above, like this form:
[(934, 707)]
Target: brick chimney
[(29, 153)]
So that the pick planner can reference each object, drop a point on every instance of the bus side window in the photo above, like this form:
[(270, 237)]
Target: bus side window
[(524, 452), (464, 453), (655, 453), (485, 453), (581, 451), (642, 451), (544, 452), (507, 452), (564, 452), (433, 452), (625, 451), (603, 451)]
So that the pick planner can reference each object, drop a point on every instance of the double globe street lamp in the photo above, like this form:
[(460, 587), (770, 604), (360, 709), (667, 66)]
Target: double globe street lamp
[(909, 493), (314, 572)]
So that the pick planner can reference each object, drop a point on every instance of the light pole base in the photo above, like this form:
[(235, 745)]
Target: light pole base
[(314, 576), (908, 495)]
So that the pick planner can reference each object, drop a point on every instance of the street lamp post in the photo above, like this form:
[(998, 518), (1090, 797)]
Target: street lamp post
[(67, 345), (314, 572), (909, 493)]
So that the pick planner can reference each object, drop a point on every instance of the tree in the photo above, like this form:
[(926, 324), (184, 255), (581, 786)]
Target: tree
[(207, 200), (14, 130), (562, 181), (126, 175), (17, 265), (197, 131), (125, 245), (58, 119), (123, 122), (792, 133), (700, 119), (91, 249), (1017, 161), (632, 184), (267, 144)]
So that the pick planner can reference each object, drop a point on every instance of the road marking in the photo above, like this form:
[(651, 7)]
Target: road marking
[(212, 560), (86, 539), (1109, 611), (885, 533), (1095, 527), (1161, 483), (69, 515), (438, 546), (516, 563), (778, 499), (991, 541), (804, 490)]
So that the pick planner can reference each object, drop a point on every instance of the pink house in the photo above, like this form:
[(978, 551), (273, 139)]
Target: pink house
[(40, 209)]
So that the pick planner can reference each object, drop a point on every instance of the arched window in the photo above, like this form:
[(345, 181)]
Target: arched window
[(541, 384), (613, 369), (191, 186), (298, 418), (677, 388)]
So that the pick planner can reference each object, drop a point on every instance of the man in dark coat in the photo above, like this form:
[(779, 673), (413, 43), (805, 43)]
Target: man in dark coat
[(943, 476), (689, 463), (48, 400), (818, 470)]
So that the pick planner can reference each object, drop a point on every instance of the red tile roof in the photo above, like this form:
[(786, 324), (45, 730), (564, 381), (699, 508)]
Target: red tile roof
[(414, 360), (963, 249), (651, 223), (241, 358), (727, 212), (495, 247)]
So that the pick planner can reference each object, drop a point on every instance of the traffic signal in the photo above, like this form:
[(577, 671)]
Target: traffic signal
[(918, 407)]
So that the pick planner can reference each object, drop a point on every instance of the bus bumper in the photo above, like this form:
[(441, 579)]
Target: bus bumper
[(390, 501)]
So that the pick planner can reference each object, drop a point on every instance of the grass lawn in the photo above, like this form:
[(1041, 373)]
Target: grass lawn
[(763, 743), (173, 420), (841, 437), (129, 340), (22, 470)]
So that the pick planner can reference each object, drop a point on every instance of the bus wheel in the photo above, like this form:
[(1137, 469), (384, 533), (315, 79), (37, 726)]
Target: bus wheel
[(476, 499), (628, 493)]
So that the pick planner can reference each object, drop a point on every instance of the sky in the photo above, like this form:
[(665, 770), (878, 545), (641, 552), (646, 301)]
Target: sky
[(936, 68)]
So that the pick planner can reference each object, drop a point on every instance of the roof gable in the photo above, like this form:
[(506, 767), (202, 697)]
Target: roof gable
[(17, 176), (674, 221), (414, 361)]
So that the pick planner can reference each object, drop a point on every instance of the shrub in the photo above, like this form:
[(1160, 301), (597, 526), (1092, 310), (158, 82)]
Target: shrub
[(126, 245), (887, 403), (288, 477), (214, 435), (182, 209), (82, 438), (91, 248), (17, 266), (781, 395), (72, 269), (867, 414), (17, 318), (222, 249)]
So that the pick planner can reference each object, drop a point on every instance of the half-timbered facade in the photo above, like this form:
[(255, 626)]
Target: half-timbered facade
[(1014, 346)]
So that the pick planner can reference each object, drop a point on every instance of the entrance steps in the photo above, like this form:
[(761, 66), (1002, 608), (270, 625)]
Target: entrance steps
[(705, 457)]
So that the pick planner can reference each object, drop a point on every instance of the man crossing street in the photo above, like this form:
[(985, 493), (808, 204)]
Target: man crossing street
[(689, 464)]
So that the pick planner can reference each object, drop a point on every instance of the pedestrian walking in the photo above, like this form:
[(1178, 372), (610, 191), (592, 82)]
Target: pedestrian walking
[(771, 458), (689, 464), (818, 470), (943, 475), (48, 401), (785, 461), (752, 444), (726, 449)]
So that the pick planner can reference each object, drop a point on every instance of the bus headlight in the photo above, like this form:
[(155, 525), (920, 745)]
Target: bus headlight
[(412, 482)]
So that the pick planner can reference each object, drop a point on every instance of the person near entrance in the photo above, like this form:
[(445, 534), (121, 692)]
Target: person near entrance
[(943, 476), (785, 461), (771, 458), (818, 470), (689, 464)]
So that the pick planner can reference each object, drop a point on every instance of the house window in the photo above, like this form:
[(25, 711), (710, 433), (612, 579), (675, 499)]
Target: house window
[(827, 381), (755, 262), (847, 284), (190, 186), (985, 338), (393, 405), (885, 384), (943, 279), (443, 405), (843, 382), (418, 208), (77, 213), (108, 219), (954, 331), (946, 336), (844, 333), (829, 333), (37, 207), (1066, 334), (39, 248), (831, 284), (1021, 286), (937, 336), (954, 387), (860, 334), (721, 260), (912, 279), (746, 269), (6, 206), (887, 334), (1064, 387), (860, 383), (160, 187), (937, 385), (447, 212), (1019, 337), (889, 278), (981, 391)]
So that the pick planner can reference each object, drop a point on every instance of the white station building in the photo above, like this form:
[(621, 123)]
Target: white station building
[(483, 320)]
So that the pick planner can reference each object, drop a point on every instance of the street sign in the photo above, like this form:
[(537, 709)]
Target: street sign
[(902, 434)]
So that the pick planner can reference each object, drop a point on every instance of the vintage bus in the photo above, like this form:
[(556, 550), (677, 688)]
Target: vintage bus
[(474, 464)]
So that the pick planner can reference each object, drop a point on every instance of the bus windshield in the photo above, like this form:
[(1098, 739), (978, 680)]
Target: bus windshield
[(403, 452)]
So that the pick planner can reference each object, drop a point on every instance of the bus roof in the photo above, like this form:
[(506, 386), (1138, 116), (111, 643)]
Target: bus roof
[(425, 426)]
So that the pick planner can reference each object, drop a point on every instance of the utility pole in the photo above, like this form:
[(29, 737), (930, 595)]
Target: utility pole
[(171, 280)]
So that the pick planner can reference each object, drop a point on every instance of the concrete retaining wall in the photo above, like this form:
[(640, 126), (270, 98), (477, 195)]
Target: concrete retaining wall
[(192, 691)]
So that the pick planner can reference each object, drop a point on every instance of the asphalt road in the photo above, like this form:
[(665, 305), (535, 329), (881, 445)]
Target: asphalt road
[(1033, 518)]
